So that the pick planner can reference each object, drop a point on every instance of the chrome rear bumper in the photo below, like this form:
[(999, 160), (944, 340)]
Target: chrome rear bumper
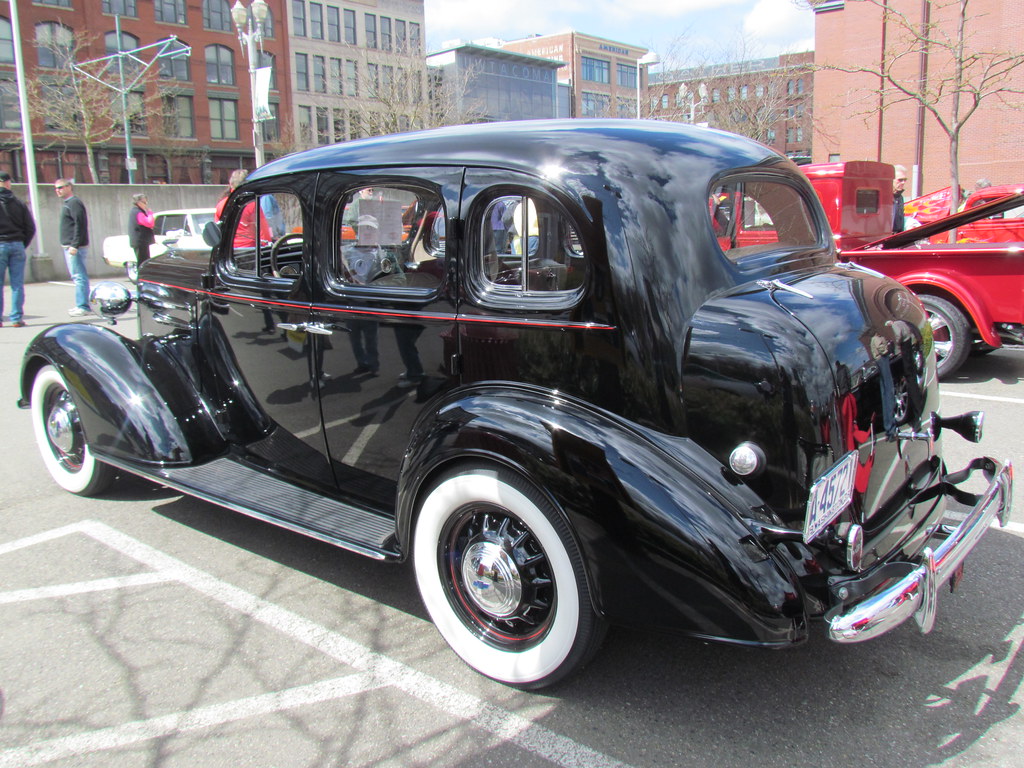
[(911, 589)]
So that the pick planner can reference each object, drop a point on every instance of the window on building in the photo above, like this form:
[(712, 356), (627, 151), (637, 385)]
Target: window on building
[(716, 96), (120, 8), (220, 65), (625, 108), (10, 111), (350, 26), (179, 117), (338, 117), (351, 77), (217, 15), (625, 75), (372, 80), (169, 11), (319, 74), (55, 44), (744, 92), (223, 119), (414, 38), (266, 59), (316, 21), (664, 101), (595, 104), (337, 77), (385, 33), (759, 91), (401, 41), (730, 93), (6, 42), (333, 24), (299, 18), (177, 68), (306, 125), (58, 3), (323, 126), (370, 24), (799, 86), (596, 70), (270, 128), (301, 72)]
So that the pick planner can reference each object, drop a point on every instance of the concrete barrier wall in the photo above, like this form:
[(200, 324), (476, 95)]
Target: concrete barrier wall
[(108, 206)]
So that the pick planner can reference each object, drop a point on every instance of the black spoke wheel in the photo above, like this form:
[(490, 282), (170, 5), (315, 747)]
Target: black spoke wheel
[(503, 579), (61, 441)]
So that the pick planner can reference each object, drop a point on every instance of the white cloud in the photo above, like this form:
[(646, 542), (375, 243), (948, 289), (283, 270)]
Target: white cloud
[(780, 25)]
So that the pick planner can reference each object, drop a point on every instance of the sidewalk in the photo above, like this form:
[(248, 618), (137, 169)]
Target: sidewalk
[(47, 304)]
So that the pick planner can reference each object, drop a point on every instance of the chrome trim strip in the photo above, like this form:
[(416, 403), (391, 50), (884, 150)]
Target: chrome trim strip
[(916, 593)]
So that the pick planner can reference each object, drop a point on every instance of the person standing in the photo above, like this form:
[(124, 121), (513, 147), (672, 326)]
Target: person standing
[(17, 228), (74, 239), (899, 183), (141, 220)]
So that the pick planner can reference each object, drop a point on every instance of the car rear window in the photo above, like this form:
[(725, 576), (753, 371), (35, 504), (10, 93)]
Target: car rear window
[(756, 215)]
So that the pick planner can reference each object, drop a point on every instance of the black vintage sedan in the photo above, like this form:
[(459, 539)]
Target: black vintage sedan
[(537, 360)]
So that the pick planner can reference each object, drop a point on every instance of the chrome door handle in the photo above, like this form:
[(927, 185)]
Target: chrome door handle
[(318, 328)]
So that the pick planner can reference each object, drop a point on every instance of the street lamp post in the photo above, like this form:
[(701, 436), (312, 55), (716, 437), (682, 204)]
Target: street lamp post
[(249, 23), (644, 61)]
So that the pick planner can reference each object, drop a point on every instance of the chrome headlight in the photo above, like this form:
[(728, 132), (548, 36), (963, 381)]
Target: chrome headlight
[(111, 299)]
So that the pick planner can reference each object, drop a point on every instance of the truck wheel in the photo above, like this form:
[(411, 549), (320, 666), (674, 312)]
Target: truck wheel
[(61, 440), (502, 578), (951, 332)]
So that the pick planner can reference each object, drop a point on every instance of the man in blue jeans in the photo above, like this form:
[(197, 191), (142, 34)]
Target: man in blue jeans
[(17, 228), (74, 239)]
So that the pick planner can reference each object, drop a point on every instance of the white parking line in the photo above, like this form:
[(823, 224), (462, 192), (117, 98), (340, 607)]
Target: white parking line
[(989, 398), (377, 670), (182, 722)]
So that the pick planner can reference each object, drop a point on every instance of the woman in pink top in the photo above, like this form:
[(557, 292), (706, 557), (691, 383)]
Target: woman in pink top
[(140, 228)]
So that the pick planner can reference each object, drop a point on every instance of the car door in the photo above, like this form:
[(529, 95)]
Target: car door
[(384, 310), (257, 333)]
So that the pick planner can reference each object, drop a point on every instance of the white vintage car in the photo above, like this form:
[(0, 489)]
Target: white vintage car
[(181, 228)]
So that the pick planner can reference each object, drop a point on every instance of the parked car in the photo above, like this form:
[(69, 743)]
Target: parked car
[(971, 289), (531, 359), (181, 229)]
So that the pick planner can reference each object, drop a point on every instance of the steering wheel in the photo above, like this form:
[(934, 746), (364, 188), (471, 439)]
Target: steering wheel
[(293, 271)]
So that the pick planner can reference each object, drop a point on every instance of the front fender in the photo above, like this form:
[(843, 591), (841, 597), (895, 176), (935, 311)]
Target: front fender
[(662, 531), (136, 402)]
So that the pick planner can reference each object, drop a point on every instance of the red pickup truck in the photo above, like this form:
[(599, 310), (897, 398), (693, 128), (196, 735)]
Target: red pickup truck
[(973, 291)]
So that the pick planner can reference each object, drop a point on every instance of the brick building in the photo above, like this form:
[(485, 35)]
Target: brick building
[(602, 73), (196, 125), (356, 69), (766, 99), (853, 121)]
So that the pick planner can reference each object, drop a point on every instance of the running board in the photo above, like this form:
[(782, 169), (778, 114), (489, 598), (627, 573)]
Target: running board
[(234, 485)]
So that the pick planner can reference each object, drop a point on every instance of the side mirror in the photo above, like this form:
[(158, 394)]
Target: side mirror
[(211, 233)]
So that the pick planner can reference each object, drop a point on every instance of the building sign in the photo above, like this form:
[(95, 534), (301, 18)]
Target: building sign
[(614, 49), (511, 70)]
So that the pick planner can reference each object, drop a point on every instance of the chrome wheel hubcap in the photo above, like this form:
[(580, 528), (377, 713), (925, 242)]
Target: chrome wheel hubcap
[(492, 579)]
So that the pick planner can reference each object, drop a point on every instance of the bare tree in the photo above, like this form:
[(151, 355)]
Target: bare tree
[(75, 102), (951, 75)]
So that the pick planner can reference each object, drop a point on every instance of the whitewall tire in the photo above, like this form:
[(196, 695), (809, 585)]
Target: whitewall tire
[(503, 579), (61, 440)]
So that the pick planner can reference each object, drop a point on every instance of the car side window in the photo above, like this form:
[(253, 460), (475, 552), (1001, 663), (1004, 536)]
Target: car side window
[(529, 246), (267, 239), (754, 215), (172, 222), (391, 237)]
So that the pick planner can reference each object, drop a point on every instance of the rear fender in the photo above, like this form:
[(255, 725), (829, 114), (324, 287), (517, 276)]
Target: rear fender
[(661, 530), (961, 292), (136, 401)]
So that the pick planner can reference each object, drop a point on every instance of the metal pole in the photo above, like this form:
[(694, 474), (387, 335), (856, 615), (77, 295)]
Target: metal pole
[(257, 134), (639, 70), (129, 161), (26, 124)]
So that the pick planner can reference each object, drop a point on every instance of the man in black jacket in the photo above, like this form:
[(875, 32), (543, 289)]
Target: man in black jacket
[(74, 239), (17, 228)]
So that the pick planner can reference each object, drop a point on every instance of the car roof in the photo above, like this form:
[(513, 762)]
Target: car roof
[(178, 211), (531, 146)]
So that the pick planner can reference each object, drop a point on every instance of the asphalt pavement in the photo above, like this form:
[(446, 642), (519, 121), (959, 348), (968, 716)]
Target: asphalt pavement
[(144, 628)]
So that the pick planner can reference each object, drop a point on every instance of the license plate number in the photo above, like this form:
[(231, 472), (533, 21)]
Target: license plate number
[(830, 495)]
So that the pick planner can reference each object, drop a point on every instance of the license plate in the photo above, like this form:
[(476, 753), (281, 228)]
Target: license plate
[(830, 495)]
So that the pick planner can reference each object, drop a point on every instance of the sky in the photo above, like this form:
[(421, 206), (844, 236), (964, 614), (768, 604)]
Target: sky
[(689, 32)]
